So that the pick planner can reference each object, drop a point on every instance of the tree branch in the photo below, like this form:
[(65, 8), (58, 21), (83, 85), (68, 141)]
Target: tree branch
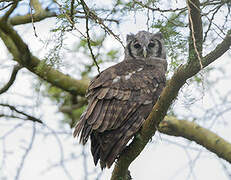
[(196, 30), (161, 107), (88, 36), (4, 7), (22, 55), (39, 14), (93, 16), (17, 20), (158, 9), (194, 132), (36, 5), (29, 117), (8, 13), (12, 79), (26, 153)]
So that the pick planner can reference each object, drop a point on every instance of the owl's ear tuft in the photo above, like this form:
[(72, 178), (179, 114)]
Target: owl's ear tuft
[(159, 35), (130, 37)]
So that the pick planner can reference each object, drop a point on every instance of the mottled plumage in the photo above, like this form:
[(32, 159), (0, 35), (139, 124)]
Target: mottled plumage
[(122, 96)]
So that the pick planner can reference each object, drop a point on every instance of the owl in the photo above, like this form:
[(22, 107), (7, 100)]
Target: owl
[(121, 97)]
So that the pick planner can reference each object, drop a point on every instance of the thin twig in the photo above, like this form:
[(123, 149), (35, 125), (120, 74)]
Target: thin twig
[(32, 20), (88, 36), (218, 27), (210, 23), (68, 18), (158, 9), (26, 152), (104, 19), (72, 158), (12, 130), (85, 167), (61, 161), (98, 20), (6, 6), (29, 117), (3, 155)]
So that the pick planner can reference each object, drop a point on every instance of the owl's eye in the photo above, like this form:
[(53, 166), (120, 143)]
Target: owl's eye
[(151, 45), (137, 46)]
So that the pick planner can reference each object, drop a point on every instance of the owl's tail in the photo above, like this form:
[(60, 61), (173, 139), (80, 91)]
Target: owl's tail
[(108, 145), (103, 148), (83, 128)]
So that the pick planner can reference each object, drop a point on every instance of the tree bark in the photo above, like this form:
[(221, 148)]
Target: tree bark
[(194, 132)]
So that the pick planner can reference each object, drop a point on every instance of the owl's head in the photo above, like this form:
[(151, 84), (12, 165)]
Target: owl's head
[(145, 45)]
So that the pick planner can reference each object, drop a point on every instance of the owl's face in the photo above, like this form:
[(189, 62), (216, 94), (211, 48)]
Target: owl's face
[(145, 45)]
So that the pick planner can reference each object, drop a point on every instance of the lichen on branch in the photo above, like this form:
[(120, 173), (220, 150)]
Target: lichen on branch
[(21, 53)]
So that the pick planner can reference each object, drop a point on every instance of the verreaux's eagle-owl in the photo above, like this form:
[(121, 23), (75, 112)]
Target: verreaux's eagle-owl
[(122, 96)]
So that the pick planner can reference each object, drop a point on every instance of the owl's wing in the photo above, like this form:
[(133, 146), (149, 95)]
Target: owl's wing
[(120, 99)]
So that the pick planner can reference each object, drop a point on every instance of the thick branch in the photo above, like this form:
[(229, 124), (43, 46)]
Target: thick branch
[(12, 79), (159, 111), (200, 135), (22, 55), (36, 5), (38, 16)]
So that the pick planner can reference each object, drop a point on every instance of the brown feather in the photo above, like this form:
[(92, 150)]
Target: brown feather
[(90, 108), (87, 129), (79, 125), (107, 117), (118, 108), (103, 93), (99, 121), (120, 99), (96, 113)]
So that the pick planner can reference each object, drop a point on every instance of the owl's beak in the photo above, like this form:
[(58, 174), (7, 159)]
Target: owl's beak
[(145, 52)]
